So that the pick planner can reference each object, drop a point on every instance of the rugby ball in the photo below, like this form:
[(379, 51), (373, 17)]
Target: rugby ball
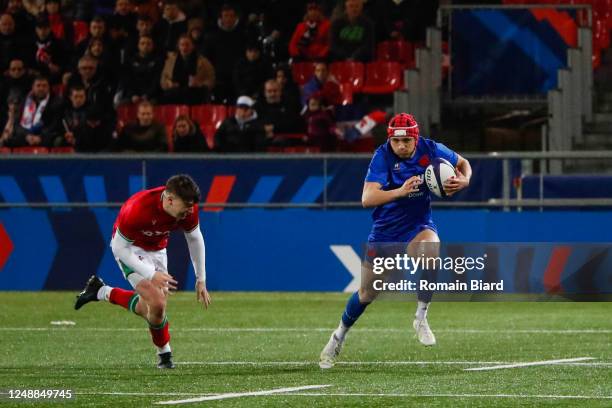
[(438, 171)]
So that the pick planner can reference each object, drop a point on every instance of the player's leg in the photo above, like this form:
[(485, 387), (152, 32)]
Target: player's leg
[(355, 307), (426, 243)]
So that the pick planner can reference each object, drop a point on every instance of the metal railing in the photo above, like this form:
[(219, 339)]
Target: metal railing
[(505, 201)]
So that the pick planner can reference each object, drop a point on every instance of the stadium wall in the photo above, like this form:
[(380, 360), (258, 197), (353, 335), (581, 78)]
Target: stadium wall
[(255, 249)]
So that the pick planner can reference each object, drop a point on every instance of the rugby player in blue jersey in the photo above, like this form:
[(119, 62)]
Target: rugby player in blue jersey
[(394, 186)]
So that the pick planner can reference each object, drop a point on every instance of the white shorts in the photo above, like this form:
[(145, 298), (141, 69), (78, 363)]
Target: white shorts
[(158, 259)]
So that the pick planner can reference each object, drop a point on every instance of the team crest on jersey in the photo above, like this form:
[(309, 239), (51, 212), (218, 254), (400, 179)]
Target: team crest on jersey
[(154, 222), (396, 167), (424, 161)]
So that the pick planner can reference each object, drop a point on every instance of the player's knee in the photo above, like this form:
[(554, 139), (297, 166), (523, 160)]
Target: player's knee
[(367, 295), (157, 306)]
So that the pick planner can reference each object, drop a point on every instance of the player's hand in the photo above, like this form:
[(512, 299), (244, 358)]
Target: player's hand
[(164, 281), (202, 294), (457, 183), (410, 186)]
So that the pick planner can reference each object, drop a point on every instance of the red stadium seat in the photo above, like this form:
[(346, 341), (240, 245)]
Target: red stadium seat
[(302, 72), (348, 72), (62, 150), (169, 138), (301, 149), (346, 90), (5, 150), (208, 131), (127, 113), (30, 150), (81, 30), (397, 51), (382, 77), (166, 114), (209, 115)]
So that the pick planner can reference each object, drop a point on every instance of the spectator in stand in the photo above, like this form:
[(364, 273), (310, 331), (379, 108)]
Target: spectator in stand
[(403, 19), (251, 72), (122, 27), (320, 125), (277, 115), (16, 83), (34, 7), (147, 7), (224, 48), (144, 135), (310, 40), (11, 46), (24, 21), (82, 127), (289, 90), (324, 84), (144, 28), (170, 27), (61, 27), (187, 136), (187, 77), (242, 132), (9, 120), (352, 35), (195, 29), (107, 66), (99, 91), (38, 123), (97, 30), (142, 74), (49, 54)]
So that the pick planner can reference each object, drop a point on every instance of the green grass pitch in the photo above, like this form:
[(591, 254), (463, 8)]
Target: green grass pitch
[(250, 342)]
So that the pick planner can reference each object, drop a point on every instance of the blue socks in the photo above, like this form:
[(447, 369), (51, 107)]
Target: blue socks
[(354, 309)]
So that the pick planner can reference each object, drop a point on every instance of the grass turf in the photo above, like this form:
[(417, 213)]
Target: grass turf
[(109, 351)]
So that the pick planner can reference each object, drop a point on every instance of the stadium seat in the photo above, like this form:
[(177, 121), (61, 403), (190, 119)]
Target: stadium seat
[(302, 72), (348, 72), (62, 150), (346, 91), (382, 77), (397, 51), (301, 149), (208, 131), (166, 114), (126, 113), (169, 139), (30, 150), (81, 29), (5, 150), (209, 114)]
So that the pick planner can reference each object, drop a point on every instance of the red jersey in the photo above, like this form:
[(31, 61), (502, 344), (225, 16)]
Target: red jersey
[(143, 220)]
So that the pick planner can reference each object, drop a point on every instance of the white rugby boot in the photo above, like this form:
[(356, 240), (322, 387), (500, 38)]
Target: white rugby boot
[(331, 351), (423, 332)]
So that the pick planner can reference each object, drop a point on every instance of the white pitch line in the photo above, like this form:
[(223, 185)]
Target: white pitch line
[(399, 395), (530, 364), (243, 394), (315, 329), (315, 363)]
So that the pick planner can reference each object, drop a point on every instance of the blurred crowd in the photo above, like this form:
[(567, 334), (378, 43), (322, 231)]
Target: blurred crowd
[(68, 67)]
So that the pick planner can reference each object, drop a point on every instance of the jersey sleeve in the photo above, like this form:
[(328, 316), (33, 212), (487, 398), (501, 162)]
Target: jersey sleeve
[(445, 153), (127, 225), (378, 171), (192, 221)]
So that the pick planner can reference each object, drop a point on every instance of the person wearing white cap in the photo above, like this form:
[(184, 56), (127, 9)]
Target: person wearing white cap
[(242, 132)]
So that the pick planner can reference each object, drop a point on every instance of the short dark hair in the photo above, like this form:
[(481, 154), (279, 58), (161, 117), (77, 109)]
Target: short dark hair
[(184, 188), (77, 88)]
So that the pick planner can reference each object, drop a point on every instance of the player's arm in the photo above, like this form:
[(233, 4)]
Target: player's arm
[(197, 252), (123, 250), (462, 179), (373, 195)]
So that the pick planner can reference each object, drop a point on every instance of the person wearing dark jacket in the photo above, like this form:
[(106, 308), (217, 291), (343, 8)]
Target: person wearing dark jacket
[(251, 72), (352, 35), (142, 73), (144, 135), (170, 27), (187, 136), (48, 54), (242, 132), (40, 113)]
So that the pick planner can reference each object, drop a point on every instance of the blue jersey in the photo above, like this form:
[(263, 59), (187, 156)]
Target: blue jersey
[(402, 219)]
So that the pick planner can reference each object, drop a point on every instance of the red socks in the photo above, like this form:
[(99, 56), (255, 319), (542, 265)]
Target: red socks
[(125, 298), (160, 334)]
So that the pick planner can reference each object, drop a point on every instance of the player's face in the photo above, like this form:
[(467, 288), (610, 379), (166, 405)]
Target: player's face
[(403, 146), (178, 208)]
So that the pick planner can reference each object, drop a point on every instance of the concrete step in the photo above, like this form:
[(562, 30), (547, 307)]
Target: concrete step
[(599, 166), (598, 126), (597, 138)]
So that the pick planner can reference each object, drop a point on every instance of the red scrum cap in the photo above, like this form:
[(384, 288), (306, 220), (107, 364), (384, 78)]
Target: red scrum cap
[(403, 125)]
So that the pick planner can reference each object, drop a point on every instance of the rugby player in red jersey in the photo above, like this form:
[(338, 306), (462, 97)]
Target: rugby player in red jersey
[(139, 241)]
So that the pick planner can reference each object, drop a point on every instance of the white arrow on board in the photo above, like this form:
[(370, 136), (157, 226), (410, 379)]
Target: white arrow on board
[(351, 261)]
